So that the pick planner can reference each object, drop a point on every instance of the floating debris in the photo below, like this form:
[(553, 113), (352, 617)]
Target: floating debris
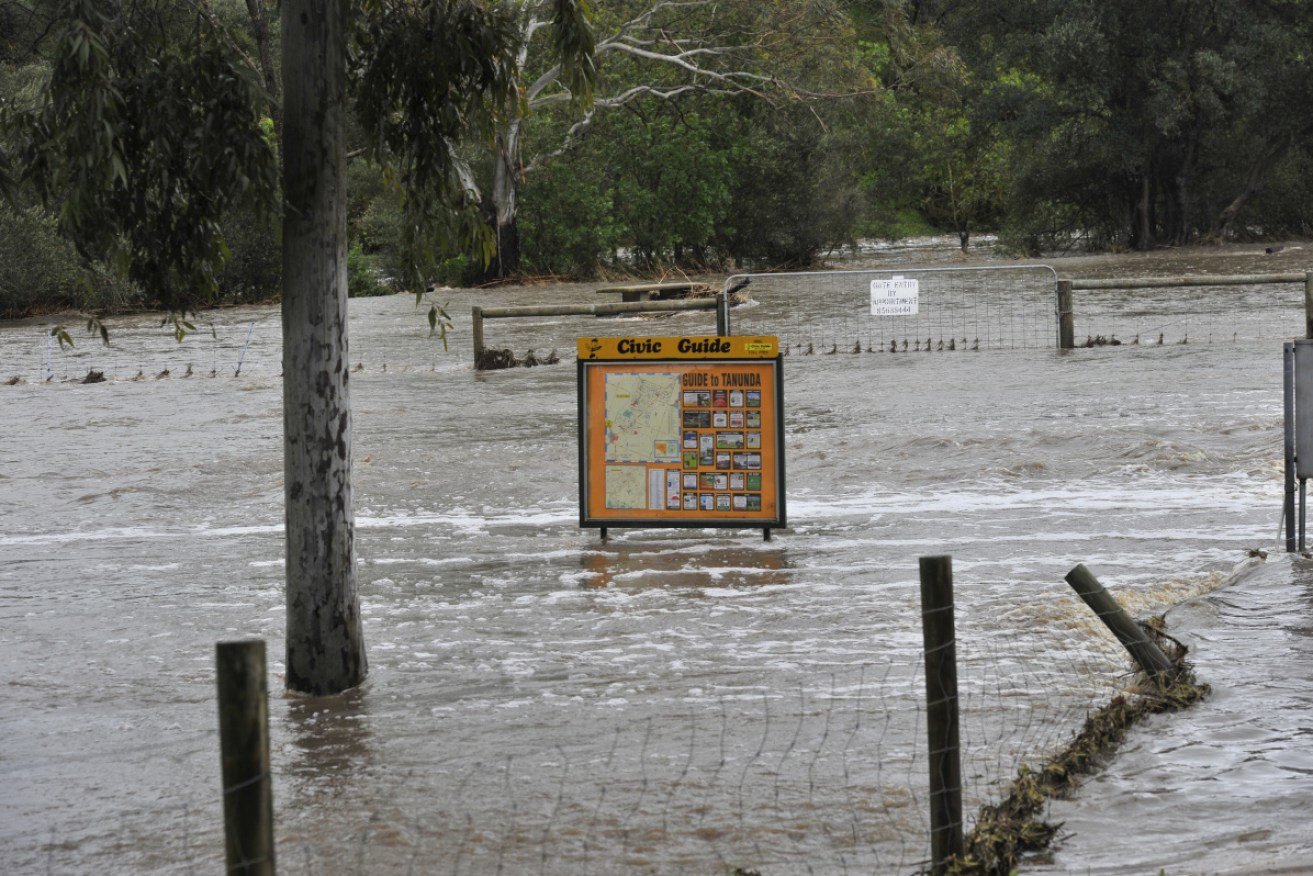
[(93, 376), (495, 360), (1005, 831)]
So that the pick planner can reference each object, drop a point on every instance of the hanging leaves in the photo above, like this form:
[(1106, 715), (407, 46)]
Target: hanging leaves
[(142, 144), (429, 74)]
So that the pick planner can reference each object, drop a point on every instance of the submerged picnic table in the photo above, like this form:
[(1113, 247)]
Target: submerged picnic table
[(651, 291)]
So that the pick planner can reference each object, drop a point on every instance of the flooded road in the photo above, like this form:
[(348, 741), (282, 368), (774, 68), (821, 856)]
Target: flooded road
[(683, 701)]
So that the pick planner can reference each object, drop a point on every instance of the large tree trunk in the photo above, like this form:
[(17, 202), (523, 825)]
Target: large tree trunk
[(505, 197), (325, 646), (1180, 229), (499, 208)]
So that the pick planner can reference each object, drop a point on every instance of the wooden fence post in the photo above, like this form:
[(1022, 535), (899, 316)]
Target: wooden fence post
[(248, 809), (941, 709), (1148, 655), (476, 324), (1066, 319)]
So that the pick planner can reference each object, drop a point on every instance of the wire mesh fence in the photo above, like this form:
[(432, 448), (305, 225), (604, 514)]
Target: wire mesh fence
[(1183, 315), (954, 310), (817, 772), (928, 310)]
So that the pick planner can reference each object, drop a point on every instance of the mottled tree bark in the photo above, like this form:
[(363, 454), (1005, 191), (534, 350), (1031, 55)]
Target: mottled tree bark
[(325, 646)]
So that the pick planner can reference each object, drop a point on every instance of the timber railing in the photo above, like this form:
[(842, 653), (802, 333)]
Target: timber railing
[(479, 314), (1066, 311)]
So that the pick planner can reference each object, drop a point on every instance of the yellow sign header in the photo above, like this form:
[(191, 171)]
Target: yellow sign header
[(644, 347)]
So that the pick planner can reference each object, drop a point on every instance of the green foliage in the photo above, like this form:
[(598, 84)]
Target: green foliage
[(427, 75), (1142, 122), (143, 129), (254, 271), (362, 279), (145, 138), (567, 225), (150, 137), (671, 180), (378, 233), (41, 272)]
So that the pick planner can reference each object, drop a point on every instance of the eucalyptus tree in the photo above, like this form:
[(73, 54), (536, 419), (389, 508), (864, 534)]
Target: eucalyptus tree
[(149, 131), (1126, 111), (653, 51), (947, 157)]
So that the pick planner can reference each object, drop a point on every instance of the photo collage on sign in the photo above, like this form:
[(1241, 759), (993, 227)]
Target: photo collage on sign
[(721, 449)]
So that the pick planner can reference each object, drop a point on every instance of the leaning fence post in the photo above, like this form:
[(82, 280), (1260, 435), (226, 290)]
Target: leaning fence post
[(1148, 655), (1066, 319), (248, 809), (941, 709)]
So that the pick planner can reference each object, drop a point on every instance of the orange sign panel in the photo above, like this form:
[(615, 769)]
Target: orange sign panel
[(681, 432)]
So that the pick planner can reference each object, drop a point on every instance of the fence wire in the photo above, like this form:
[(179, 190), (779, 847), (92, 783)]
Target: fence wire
[(954, 309), (818, 772), (959, 310), (1179, 316)]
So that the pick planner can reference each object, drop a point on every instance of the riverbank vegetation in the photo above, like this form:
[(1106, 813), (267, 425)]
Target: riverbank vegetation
[(714, 136)]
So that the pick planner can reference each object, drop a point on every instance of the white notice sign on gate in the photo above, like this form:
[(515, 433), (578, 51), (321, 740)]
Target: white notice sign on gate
[(896, 297)]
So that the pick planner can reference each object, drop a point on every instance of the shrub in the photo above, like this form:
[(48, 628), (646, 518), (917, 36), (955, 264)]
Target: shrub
[(40, 272)]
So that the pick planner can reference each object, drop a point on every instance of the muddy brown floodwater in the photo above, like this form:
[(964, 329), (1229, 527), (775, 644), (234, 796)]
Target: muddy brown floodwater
[(670, 701)]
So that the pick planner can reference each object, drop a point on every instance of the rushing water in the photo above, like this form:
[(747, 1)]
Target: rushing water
[(668, 701)]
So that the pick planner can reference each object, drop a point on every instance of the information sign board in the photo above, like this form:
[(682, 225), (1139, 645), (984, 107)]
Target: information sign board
[(896, 297), (681, 431)]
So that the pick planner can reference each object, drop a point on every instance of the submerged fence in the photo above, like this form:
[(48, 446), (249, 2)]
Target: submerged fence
[(1026, 307), (827, 774), (944, 310), (954, 310), (1167, 310)]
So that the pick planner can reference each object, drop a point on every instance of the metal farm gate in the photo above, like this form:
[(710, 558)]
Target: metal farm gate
[(933, 309)]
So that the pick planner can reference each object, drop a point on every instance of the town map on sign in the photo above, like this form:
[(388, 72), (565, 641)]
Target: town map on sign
[(642, 417)]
